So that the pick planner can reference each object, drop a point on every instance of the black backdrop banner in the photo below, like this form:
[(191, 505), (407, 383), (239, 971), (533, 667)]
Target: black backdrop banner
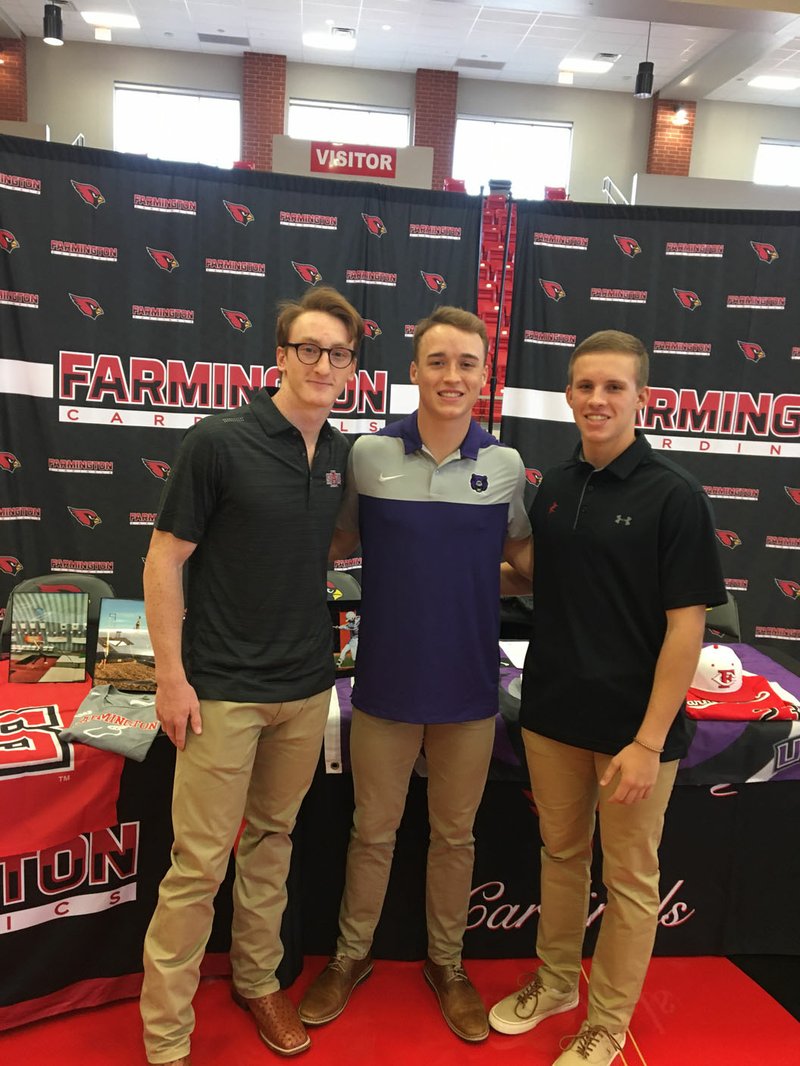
[(713, 295), (137, 297)]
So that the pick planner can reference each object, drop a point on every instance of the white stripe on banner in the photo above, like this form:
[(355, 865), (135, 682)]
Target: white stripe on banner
[(553, 407), (71, 907), (404, 399), (534, 403), (26, 379)]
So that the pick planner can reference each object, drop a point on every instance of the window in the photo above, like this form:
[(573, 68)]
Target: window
[(179, 124), (777, 163), (314, 120), (530, 155)]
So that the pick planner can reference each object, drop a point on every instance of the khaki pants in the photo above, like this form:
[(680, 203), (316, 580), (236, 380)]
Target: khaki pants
[(382, 755), (252, 760), (565, 787)]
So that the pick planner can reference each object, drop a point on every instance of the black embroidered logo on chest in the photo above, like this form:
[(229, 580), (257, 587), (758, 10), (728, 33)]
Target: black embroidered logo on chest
[(479, 483)]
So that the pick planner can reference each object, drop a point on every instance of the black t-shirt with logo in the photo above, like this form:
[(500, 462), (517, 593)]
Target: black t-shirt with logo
[(257, 624), (614, 549)]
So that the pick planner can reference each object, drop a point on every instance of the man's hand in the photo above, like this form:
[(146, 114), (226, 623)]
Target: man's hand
[(177, 704), (638, 770)]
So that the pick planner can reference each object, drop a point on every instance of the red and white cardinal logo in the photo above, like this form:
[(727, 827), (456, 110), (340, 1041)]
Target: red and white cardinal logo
[(308, 272), (628, 245), (435, 282), (87, 305), (767, 253), (374, 224), (533, 476), (237, 319), (553, 290), (793, 494), (10, 565), (728, 539), (9, 462), (371, 328), (158, 468), (688, 299), (84, 516), (163, 259), (8, 242), (752, 351), (90, 194), (789, 588), (239, 213)]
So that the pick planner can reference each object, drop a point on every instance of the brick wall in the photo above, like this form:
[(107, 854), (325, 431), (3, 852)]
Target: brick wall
[(263, 105), (13, 80), (435, 119), (670, 148)]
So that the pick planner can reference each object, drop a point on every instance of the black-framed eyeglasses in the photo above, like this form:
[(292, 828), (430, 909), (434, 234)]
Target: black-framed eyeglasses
[(309, 353)]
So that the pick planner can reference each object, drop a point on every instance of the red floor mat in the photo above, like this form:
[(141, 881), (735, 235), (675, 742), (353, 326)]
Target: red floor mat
[(693, 1012)]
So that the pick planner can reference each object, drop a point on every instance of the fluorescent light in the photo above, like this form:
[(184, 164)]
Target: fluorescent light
[(585, 66), (332, 41), (110, 20), (774, 81), (565, 77), (102, 33)]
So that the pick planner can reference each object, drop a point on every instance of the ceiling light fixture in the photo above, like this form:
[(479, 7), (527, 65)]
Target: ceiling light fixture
[(110, 20), (644, 76), (338, 39), (52, 30), (585, 66), (565, 77), (680, 116), (774, 81)]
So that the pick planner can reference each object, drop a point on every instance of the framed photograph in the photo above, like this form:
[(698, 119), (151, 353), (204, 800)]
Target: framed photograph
[(346, 621), (125, 656), (48, 636)]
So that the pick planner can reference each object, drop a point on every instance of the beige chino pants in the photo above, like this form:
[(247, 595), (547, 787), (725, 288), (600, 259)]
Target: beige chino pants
[(252, 760), (565, 787), (382, 755)]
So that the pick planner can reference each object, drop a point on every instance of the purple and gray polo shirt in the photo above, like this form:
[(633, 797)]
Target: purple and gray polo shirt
[(432, 539)]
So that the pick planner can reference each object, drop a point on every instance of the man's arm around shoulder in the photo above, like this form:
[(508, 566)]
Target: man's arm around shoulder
[(516, 571), (176, 700)]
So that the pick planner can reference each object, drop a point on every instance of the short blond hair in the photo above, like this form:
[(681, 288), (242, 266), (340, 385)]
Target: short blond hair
[(613, 340)]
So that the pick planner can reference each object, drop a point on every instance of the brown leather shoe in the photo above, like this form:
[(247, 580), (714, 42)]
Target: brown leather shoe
[(461, 1005), (277, 1022), (327, 995)]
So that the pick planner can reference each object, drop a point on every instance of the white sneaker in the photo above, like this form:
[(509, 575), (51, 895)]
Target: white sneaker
[(594, 1044), (523, 1010)]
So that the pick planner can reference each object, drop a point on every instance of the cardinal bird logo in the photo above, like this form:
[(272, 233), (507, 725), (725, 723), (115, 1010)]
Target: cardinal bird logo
[(371, 328), (374, 224), (237, 319), (728, 539), (435, 282), (789, 588), (552, 290), (84, 516), (163, 260), (533, 476), (308, 272), (752, 351), (240, 213), (158, 468), (10, 565), (9, 462), (87, 305), (90, 194), (8, 242), (688, 299), (628, 246), (793, 494), (767, 253)]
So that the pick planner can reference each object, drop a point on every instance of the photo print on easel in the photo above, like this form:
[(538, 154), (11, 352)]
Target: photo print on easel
[(48, 637)]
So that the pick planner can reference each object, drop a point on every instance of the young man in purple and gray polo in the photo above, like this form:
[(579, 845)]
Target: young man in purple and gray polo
[(436, 503)]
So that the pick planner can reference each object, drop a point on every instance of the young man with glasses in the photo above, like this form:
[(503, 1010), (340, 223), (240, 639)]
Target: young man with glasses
[(244, 680), (436, 503)]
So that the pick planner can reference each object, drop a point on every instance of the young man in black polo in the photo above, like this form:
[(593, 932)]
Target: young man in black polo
[(244, 681), (626, 563)]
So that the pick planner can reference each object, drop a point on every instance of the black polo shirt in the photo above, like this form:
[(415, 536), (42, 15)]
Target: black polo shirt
[(257, 625), (614, 549)]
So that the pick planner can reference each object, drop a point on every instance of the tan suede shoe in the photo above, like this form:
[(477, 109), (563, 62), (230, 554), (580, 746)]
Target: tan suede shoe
[(327, 995), (461, 1005)]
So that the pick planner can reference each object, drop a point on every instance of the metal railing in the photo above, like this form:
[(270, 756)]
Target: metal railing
[(612, 192)]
